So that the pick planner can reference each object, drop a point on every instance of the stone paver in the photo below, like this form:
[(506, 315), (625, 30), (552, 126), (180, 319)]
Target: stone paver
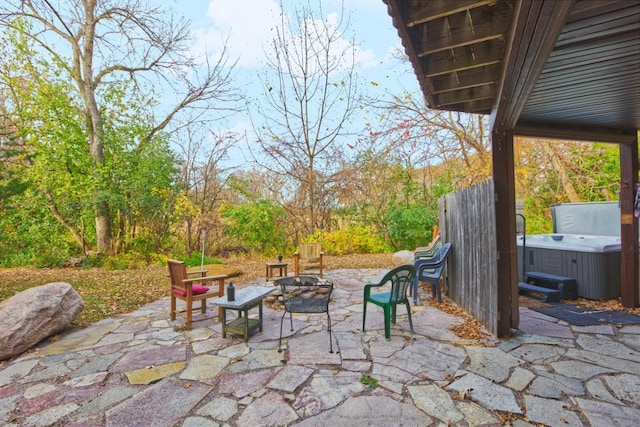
[(373, 411), (608, 414), (486, 393), (142, 369), (435, 402), (550, 412), (491, 362)]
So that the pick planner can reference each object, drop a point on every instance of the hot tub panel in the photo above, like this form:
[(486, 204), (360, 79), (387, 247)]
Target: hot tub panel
[(597, 273)]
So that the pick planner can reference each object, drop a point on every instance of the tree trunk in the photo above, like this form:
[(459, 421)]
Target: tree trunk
[(76, 234), (103, 228)]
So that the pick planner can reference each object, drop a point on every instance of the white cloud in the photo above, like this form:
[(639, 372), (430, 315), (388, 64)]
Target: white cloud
[(246, 26)]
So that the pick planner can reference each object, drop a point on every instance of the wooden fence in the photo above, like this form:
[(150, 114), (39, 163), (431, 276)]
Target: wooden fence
[(467, 220)]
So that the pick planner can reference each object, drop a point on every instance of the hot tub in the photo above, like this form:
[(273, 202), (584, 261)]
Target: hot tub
[(594, 261)]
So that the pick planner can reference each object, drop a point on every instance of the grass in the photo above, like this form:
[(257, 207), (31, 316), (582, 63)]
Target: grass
[(369, 381), (110, 292)]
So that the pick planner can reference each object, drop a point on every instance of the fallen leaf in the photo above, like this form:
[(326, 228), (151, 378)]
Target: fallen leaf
[(465, 394)]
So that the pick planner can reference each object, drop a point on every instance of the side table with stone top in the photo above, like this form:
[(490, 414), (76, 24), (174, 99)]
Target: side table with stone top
[(245, 299)]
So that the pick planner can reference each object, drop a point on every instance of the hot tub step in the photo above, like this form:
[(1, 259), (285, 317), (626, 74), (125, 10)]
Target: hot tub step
[(566, 285), (548, 295)]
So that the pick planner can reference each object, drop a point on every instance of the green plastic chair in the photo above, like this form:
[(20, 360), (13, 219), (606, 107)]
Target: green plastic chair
[(401, 279)]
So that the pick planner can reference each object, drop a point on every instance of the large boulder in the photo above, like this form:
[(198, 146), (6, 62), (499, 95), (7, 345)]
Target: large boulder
[(35, 314), (402, 258)]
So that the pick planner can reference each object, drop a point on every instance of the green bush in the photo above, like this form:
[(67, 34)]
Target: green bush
[(125, 261), (256, 225), (410, 226), (195, 259)]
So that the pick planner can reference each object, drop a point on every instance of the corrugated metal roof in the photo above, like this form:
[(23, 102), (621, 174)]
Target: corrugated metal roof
[(590, 81), (592, 77)]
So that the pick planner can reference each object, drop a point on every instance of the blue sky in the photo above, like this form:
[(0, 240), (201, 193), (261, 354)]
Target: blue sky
[(247, 25)]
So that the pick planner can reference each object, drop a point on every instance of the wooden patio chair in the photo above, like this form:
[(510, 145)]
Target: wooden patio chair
[(309, 255), (192, 289)]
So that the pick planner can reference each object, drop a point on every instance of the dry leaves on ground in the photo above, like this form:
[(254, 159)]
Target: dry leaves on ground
[(470, 329), (110, 292), (107, 293), (608, 305)]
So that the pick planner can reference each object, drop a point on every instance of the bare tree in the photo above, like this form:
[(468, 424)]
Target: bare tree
[(432, 137), (202, 154), (310, 91), (100, 41)]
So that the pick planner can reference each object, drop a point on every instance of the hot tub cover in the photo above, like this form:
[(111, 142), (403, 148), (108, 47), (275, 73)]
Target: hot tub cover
[(573, 242)]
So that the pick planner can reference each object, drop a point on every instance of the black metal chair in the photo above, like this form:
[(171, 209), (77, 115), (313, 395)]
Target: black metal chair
[(305, 294)]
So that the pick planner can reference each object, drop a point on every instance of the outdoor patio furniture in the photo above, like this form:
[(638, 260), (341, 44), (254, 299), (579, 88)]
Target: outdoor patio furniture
[(430, 270), (191, 289), (425, 252), (401, 279), (429, 250), (245, 299), (271, 266), (306, 295), (309, 255)]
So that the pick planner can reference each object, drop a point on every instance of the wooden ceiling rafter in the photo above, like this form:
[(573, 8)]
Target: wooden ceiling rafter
[(486, 53), (461, 29), (461, 47), (459, 44), (437, 9)]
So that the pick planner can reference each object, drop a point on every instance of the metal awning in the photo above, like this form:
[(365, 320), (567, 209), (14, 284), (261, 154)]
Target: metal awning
[(584, 77)]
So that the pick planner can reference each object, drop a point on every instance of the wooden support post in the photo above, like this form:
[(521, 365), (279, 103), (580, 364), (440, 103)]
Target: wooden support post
[(505, 205), (629, 251)]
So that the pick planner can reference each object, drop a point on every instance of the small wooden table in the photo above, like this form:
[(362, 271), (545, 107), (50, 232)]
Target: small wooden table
[(246, 299), (270, 266)]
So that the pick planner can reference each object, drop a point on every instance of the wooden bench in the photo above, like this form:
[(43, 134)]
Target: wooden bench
[(551, 286)]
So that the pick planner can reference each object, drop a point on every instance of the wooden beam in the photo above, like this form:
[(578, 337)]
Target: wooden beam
[(505, 204), (397, 11), (466, 79), (629, 251), (537, 25), (479, 106), (434, 9), (465, 95), (464, 58), (461, 29)]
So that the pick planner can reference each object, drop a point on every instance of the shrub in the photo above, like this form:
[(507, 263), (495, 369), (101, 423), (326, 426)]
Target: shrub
[(355, 239), (410, 226), (195, 259)]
